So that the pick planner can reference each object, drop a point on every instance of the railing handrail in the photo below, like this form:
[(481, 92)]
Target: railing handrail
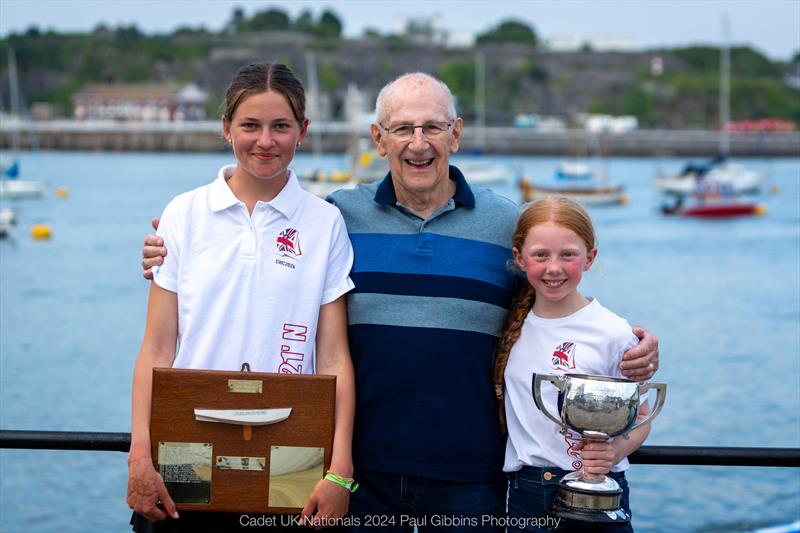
[(652, 455)]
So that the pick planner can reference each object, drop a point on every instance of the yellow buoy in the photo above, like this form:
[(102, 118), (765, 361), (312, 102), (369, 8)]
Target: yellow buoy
[(40, 231), (365, 159), (760, 210), (62, 192)]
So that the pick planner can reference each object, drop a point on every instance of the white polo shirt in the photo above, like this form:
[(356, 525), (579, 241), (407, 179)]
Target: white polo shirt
[(250, 287)]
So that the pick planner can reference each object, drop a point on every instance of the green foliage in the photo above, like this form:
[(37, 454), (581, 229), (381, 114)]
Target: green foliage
[(460, 77), (237, 21), (271, 19), (328, 77), (745, 62), (304, 22), (534, 72), (509, 31), (598, 107), (329, 25), (640, 103)]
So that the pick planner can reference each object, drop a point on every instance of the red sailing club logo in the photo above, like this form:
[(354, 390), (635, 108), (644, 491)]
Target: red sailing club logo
[(564, 356), (288, 243)]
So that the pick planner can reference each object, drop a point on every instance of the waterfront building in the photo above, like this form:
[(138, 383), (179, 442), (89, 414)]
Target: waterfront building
[(145, 102)]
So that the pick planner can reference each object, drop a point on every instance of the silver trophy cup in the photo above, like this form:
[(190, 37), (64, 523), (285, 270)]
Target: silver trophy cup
[(598, 408)]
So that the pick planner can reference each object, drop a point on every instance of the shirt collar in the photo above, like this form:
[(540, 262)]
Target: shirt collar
[(385, 194), (286, 202)]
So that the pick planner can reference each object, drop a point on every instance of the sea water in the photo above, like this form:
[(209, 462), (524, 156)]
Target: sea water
[(723, 296)]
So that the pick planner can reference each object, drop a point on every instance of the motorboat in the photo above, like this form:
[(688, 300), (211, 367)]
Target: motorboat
[(719, 170), (595, 193), (711, 207)]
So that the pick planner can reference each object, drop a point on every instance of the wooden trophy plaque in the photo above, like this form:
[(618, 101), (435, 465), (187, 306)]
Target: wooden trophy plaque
[(241, 441)]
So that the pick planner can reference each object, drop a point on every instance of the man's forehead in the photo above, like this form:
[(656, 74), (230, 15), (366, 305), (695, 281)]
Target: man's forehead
[(408, 106)]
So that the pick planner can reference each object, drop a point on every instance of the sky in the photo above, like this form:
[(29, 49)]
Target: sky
[(770, 26)]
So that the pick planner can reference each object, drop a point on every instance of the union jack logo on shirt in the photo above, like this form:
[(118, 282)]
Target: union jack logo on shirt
[(564, 356), (288, 243)]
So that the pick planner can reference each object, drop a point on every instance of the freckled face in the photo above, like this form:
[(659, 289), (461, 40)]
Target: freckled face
[(264, 135), (554, 259)]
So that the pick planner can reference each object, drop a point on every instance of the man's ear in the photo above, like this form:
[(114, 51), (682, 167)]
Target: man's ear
[(377, 138), (457, 126)]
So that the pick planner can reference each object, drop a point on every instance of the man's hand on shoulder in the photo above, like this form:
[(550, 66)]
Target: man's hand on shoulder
[(641, 362), (153, 252)]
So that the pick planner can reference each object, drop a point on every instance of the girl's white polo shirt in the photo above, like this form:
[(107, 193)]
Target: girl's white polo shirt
[(250, 287)]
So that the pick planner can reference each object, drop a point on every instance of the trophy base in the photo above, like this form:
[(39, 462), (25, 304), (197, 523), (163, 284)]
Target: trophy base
[(576, 502)]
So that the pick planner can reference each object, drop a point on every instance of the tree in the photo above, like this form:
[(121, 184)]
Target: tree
[(329, 25), (304, 22), (269, 20), (237, 20), (510, 31)]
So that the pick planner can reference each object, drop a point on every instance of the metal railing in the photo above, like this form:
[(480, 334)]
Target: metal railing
[(651, 455)]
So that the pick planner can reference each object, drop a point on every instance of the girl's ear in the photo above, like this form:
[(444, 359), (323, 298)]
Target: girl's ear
[(518, 259), (590, 257)]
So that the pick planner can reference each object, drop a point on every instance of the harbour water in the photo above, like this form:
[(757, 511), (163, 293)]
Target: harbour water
[(723, 297)]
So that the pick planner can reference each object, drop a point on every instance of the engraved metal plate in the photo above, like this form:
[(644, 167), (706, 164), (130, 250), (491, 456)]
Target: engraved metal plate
[(186, 469), (294, 471), (229, 462), (251, 386)]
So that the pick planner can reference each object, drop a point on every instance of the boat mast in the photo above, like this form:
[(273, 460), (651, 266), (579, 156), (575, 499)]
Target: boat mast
[(314, 107), (13, 81), (480, 100), (725, 88)]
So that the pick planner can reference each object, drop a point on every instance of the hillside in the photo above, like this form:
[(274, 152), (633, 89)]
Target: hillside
[(520, 78)]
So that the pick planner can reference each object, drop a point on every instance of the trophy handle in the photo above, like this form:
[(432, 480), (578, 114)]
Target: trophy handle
[(536, 388), (661, 394)]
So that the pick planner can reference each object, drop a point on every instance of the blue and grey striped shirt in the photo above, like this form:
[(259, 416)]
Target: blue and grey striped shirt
[(430, 300)]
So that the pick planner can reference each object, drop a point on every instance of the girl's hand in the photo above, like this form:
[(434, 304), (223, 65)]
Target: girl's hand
[(327, 503), (597, 457), (147, 494)]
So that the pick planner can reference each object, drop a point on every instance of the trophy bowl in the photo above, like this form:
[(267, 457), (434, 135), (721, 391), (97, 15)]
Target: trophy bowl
[(599, 408)]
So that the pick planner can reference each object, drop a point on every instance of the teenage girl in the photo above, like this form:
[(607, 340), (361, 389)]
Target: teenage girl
[(553, 329), (251, 254)]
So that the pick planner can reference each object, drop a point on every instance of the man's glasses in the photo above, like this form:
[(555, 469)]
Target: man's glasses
[(430, 130)]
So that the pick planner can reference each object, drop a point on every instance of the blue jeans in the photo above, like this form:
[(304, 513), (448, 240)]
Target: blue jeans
[(530, 492), (393, 503)]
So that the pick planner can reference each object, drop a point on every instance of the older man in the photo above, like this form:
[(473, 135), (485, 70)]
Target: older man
[(432, 292)]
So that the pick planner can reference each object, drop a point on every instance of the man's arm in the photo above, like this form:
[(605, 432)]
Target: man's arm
[(153, 253), (641, 362)]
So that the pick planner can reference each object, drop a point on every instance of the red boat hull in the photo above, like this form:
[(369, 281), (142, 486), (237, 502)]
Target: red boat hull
[(721, 211)]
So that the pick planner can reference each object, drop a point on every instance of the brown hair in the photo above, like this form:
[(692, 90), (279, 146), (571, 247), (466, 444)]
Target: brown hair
[(563, 212), (260, 77)]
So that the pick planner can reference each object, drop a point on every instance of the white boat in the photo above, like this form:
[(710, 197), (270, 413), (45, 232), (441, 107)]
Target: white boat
[(11, 186), (589, 194), (7, 220), (738, 178), (575, 171), (324, 187), (718, 170), (484, 172)]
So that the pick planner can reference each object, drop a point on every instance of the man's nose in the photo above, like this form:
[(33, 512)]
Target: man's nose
[(418, 140)]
